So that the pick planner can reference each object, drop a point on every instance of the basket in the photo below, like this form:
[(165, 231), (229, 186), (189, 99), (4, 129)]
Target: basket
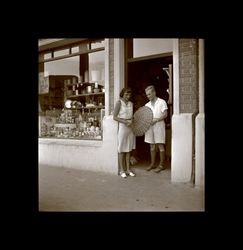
[(142, 120)]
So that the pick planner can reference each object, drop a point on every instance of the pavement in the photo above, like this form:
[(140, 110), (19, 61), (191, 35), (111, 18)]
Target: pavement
[(65, 189)]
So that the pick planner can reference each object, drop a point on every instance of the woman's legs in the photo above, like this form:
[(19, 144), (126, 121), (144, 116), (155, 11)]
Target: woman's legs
[(128, 154), (121, 160), (128, 161)]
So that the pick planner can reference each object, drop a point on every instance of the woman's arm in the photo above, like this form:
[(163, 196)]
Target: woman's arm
[(116, 112)]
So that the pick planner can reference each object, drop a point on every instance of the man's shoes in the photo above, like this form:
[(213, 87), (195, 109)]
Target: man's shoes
[(150, 167), (159, 168)]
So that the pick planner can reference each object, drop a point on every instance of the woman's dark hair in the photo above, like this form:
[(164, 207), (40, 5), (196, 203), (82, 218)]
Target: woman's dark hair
[(125, 90)]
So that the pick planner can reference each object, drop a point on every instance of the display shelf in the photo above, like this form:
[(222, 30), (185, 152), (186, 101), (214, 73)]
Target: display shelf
[(94, 107), (65, 125), (80, 83), (89, 94), (85, 137)]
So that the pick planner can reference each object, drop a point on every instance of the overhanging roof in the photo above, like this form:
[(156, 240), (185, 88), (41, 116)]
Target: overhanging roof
[(49, 44)]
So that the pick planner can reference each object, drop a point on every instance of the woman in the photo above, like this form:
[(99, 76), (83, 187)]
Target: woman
[(123, 113)]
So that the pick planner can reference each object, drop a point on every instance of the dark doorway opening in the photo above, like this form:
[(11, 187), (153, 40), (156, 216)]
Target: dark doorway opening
[(141, 73)]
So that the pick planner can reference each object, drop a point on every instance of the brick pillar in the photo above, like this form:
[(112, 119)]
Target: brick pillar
[(188, 75), (185, 60)]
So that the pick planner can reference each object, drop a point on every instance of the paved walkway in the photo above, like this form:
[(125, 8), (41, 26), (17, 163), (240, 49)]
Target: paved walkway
[(62, 189)]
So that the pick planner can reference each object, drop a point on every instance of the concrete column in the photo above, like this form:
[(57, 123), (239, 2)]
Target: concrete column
[(200, 124), (182, 129), (107, 78), (200, 150), (181, 147), (119, 73), (176, 88)]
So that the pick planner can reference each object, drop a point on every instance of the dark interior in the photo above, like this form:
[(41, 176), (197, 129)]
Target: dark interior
[(140, 74)]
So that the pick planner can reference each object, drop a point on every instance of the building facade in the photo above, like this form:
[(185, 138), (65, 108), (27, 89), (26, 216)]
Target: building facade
[(78, 139)]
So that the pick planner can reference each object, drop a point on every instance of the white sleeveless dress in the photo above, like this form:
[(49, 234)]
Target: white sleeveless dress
[(126, 138)]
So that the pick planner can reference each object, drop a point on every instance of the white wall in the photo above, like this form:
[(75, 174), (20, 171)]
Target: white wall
[(146, 47), (80, 154)]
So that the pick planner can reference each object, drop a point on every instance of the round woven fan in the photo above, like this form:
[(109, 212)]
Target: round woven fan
[(142, 120)]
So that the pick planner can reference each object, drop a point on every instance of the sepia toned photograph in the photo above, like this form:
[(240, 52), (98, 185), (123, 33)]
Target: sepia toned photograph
[(121, 125)]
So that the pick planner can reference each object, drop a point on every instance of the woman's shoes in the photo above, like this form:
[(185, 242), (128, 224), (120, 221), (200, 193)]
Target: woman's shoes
[(131, 174), (123, 175)]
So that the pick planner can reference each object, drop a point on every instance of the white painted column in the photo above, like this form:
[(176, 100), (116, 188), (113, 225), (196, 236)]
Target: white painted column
[(119, 71), (107, 78), (181, 148), (200, 124), (176, 107), (181, 136)]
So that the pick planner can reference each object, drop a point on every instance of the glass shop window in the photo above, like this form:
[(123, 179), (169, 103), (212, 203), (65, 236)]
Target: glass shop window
[(151, 46), (72, 97)]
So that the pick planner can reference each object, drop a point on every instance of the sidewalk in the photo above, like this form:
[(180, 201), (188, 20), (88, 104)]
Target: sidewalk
[(62, 189)]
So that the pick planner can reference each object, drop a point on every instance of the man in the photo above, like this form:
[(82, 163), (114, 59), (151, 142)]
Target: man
[(155, 136)]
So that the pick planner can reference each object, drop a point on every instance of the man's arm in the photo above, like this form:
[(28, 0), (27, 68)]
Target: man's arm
[(164, 115)]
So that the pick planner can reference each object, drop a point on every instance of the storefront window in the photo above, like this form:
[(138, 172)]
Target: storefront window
[(97, 67), (75, 49), (152, 46), (72, 96), (47, 56), (61, 52)]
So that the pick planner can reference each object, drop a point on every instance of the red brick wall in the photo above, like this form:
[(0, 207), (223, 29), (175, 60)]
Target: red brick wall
[(188, 75)]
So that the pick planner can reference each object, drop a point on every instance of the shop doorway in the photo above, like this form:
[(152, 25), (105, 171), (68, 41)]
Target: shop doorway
[(157, 71)]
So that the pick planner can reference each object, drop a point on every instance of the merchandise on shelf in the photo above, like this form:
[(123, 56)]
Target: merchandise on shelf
[(73, 124), (81, 113)]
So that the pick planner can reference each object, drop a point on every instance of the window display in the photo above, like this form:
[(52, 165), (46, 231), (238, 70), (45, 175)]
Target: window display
[(73, 103), (81, 114), (72, 124)]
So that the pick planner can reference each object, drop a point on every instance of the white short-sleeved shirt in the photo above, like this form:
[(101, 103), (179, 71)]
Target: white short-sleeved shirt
[(159, 107), (156, 133)]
